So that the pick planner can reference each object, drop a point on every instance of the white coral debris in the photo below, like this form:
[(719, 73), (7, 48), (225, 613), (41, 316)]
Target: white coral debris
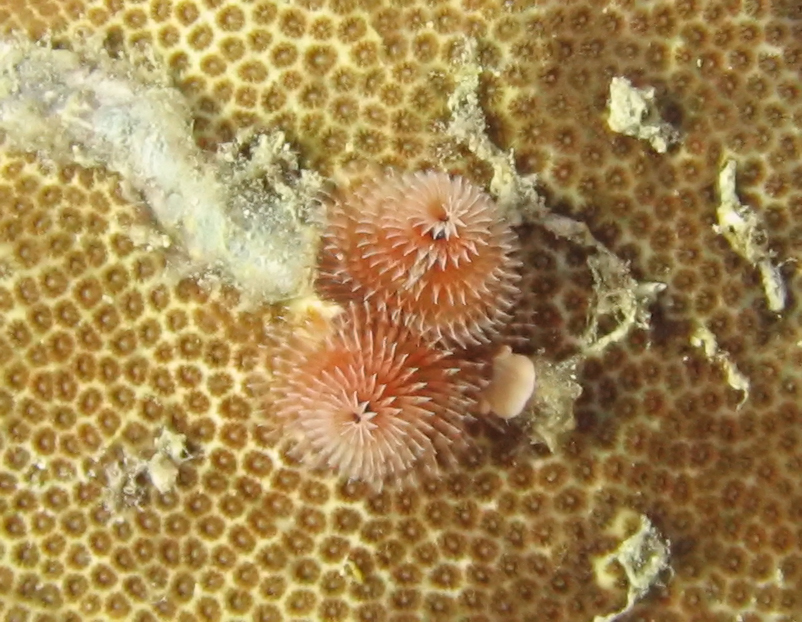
[(742, 229), (703, 338), (553, 402), (643, 555), (618, 294), (162, 468), (515, 194), (633, 113), (127, 477), (249, 218)]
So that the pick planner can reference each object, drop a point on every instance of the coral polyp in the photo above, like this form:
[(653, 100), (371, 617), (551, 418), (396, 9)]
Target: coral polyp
[(430, 246), (372, 400)]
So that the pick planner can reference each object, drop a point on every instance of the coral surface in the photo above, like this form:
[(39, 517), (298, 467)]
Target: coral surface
[(136, 480)]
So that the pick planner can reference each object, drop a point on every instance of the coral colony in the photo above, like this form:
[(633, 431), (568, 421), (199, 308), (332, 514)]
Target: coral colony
[(415, 311)]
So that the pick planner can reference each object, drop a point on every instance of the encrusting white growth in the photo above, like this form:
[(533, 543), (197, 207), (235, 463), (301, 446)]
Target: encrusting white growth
[(704, 338), (220, 209), (644, 554), (633, 113), (743, 230), (515, 195), (511, 386)]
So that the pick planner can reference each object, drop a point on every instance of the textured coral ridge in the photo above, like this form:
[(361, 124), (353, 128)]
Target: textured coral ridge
[(373, 400), (101, 351), (434, 248)]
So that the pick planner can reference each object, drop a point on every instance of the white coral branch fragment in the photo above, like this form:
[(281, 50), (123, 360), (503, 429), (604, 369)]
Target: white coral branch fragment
[(743, 230)]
